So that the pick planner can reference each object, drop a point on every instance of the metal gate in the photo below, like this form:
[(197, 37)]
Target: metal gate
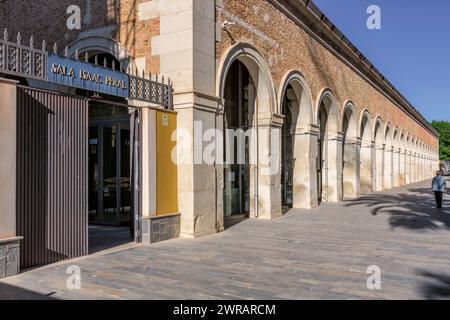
[(52, 138)]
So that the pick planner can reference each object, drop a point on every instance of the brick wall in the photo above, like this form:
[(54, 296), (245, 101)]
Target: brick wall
[(285, 46), (46, 19)]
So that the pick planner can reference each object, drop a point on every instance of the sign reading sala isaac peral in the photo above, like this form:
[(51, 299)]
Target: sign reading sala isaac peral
[(87, 76)]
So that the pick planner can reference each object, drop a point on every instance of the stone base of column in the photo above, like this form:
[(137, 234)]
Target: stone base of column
[(160, 228), (10, 257)]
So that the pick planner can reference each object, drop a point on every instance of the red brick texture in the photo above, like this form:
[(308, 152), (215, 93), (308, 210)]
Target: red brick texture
[(47, 20), (287, 46)]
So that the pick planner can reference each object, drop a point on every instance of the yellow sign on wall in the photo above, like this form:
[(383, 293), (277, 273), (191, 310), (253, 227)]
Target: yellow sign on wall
[(166, 172)]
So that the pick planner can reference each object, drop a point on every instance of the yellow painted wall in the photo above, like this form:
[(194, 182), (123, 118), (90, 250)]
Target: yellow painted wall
[(166, 169)]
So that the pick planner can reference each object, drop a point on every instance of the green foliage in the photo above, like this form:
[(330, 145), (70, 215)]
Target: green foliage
[(443, 127)]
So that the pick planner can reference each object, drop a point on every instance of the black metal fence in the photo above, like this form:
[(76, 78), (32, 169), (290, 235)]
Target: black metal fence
[(29, 62)]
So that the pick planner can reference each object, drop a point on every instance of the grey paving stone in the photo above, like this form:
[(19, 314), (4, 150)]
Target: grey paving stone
[(321, 253)]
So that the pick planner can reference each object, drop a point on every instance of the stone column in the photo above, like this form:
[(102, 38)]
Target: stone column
[(416, 168), (265, 177), (186, 51), (413, 175), (368, 154), (408, 167), (332, 181), (420, 168), (305, 167), (402, 167), (396, 168), (351, 168), (388, 164), (379, 174)]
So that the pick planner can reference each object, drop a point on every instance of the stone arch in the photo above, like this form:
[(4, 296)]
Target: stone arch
[(367, 152), (302, 92), (350, 152), (263, 172), (93, 44), (328, 103), (259, 71), (329, 148), (299, 141)]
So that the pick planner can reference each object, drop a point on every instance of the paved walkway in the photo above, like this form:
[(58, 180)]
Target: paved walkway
[(307, 254)]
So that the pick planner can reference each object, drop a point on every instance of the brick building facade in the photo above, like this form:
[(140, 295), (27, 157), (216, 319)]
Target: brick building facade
[(327, 124)]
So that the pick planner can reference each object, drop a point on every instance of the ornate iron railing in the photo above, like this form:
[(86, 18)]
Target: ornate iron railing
[(21, 60), (151, 91), (28, 62)]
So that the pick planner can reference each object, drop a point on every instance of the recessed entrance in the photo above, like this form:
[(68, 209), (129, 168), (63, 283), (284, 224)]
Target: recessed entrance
[(239, 113), (110, 196), (287, 156)]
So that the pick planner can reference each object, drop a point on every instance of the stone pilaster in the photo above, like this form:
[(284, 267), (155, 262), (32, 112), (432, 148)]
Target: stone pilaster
[(388, 164), (332, 171), (267, 204), (351, 168), (305, 168), (379, 172), (367, 172), (396, 168)]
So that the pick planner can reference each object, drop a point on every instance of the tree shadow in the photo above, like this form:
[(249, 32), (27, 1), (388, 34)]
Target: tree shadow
[(413, 209), (436, 286)]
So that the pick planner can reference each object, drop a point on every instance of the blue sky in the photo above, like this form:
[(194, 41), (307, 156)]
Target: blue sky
[(412, 49)]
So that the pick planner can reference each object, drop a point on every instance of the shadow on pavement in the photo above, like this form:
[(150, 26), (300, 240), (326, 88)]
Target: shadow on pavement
[(413, 209), (106, 237), (436, 286), (10, 292)]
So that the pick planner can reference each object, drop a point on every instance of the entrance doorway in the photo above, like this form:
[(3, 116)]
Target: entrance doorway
[(239, 97), (287, 157), (321, 156), (110, 187)]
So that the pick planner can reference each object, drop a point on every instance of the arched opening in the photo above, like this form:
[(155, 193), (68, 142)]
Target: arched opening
[(103, 59), (329, 151), (388, 158), (103, 47), (250, 127), (239, 111), (288, 110), (367, 150), (379, 155), (350, 154), (298, 174)]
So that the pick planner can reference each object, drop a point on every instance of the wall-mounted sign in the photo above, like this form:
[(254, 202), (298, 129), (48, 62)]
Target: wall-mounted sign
[(74, 73)]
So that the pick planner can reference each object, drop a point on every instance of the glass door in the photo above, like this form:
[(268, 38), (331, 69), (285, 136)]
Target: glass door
[(109, 174), (287, 159), (109, 190)]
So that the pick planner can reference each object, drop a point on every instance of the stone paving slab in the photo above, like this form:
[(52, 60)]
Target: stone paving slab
[(322, 253)]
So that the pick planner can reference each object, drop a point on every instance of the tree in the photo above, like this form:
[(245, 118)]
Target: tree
[(443, 127)]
